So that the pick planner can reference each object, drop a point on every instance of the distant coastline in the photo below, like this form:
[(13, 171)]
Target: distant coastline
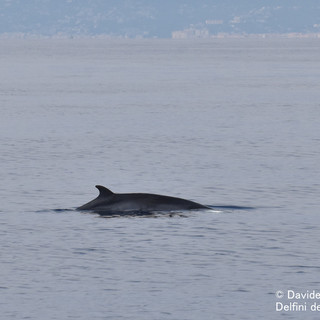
[(183, 34), (203, 34)]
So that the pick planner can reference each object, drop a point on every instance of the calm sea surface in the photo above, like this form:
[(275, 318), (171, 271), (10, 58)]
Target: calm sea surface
[(220, 122)]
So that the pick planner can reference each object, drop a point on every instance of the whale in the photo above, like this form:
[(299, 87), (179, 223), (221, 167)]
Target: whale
[(109, 202)]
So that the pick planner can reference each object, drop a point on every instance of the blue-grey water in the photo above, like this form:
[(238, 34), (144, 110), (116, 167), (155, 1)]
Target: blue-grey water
[(220, 122)]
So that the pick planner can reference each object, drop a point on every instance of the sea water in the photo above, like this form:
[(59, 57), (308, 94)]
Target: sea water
[(230, 122)]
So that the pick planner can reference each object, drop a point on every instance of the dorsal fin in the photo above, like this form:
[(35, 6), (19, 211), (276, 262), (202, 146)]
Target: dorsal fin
[(104, 192)]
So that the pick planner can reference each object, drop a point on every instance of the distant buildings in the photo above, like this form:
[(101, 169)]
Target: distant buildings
[(193, 33), (190, 33)]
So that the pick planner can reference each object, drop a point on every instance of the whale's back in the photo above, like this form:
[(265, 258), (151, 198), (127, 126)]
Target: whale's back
[(107, 201)]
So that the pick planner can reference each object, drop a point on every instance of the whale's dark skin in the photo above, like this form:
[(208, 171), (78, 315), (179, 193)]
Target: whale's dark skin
[(109, 202)]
